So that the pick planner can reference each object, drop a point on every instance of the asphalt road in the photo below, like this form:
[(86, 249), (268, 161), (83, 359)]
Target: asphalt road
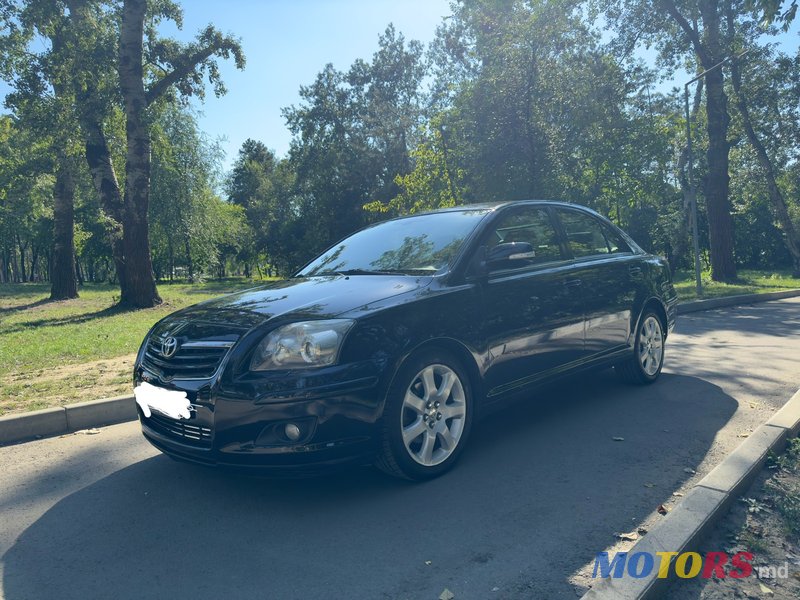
[(542, 489)]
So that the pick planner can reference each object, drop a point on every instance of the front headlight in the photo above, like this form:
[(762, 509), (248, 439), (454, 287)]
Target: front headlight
[(298, 345)]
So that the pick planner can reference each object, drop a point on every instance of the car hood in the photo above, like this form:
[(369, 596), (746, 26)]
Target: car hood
[(302, 298)]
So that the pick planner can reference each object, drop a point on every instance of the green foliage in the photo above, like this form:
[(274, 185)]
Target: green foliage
[(432, 184), (776, 11), (512, 100), (193, 231), (25, 198), (353, 133), (263, 187)]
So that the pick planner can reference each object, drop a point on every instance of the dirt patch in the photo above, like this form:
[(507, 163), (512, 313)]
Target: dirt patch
[(43, 388)]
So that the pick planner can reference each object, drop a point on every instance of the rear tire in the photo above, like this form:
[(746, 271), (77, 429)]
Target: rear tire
[(427, 417), (645, 365)]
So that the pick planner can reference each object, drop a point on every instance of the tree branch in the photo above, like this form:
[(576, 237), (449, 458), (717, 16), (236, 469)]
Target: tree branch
[(691, 32), (179, 72)]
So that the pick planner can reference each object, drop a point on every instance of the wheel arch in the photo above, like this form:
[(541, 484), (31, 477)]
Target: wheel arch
[(658, 307), (460, 351)]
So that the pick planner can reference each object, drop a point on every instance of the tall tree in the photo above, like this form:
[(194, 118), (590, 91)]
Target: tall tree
[(95, 86), (187, 64), (140, 285), (770, 172), (530, 104), (710, 50), (87, 38), (42, 98), (691, 27)]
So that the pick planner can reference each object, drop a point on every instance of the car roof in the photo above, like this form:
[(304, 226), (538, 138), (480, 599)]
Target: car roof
[(504, 203)]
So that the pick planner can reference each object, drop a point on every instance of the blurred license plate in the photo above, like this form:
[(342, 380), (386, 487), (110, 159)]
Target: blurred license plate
[(171, 403)]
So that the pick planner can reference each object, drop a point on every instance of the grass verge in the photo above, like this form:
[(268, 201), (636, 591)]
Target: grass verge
[(749, 282), (52, 353)]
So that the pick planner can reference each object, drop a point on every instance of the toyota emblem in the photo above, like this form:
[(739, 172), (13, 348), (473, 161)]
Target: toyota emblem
[(169, 346)]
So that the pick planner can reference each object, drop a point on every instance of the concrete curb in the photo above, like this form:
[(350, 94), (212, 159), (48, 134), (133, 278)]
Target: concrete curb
[(74, 417), (698, 305), (65, 419), (704, 505)]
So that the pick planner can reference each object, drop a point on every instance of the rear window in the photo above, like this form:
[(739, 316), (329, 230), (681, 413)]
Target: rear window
[(588, 236)]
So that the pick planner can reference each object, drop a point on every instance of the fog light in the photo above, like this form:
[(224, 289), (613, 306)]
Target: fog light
[(292, 432)]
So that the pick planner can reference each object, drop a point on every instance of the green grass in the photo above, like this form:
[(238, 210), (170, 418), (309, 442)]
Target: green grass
[(49, 351), (750, 282)]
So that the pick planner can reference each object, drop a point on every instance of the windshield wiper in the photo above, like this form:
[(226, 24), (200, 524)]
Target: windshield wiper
[(359, 272), (347, 272)]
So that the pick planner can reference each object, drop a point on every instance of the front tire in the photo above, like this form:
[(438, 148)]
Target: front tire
[(645, 365), (427, 418)]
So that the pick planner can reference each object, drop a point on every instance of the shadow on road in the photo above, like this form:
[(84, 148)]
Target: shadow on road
[(542, 488)]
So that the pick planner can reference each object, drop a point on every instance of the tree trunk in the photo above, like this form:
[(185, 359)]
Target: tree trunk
[(14, 265), (139, 289), (22, 248), (189, 264), (97, 152), (709, 52), (171, 255), (62, 274), (34, 260), (78, 272), (717, 183), (104, 178)]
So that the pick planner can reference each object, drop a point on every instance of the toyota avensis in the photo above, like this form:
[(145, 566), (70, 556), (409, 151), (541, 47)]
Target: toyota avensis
[(386, 347)]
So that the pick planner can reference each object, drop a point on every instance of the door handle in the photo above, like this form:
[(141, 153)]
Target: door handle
[(572, 282)]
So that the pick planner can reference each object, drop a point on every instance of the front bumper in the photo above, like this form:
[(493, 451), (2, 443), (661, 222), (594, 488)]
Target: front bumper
[(238, 424)]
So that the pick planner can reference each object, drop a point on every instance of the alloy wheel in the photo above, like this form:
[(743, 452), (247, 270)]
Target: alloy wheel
[(651, 345), (433, 415)]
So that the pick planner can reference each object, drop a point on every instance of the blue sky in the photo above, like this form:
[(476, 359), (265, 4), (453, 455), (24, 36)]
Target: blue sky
[(287, 42)]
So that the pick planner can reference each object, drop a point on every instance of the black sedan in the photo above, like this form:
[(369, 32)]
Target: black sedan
[(387, 347)]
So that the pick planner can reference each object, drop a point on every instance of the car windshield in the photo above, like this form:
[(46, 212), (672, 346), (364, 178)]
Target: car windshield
[(422, 244)]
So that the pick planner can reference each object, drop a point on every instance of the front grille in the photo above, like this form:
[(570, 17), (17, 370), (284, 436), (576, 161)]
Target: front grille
[(189, 349), (190, 361), (181, 430)]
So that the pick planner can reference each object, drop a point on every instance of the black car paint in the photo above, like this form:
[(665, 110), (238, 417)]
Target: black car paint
[(506, 343)]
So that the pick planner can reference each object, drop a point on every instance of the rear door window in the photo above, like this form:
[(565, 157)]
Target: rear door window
[(616, 243), (585, 235)]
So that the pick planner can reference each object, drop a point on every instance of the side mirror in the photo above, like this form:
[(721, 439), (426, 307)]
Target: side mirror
[(509, 251)]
